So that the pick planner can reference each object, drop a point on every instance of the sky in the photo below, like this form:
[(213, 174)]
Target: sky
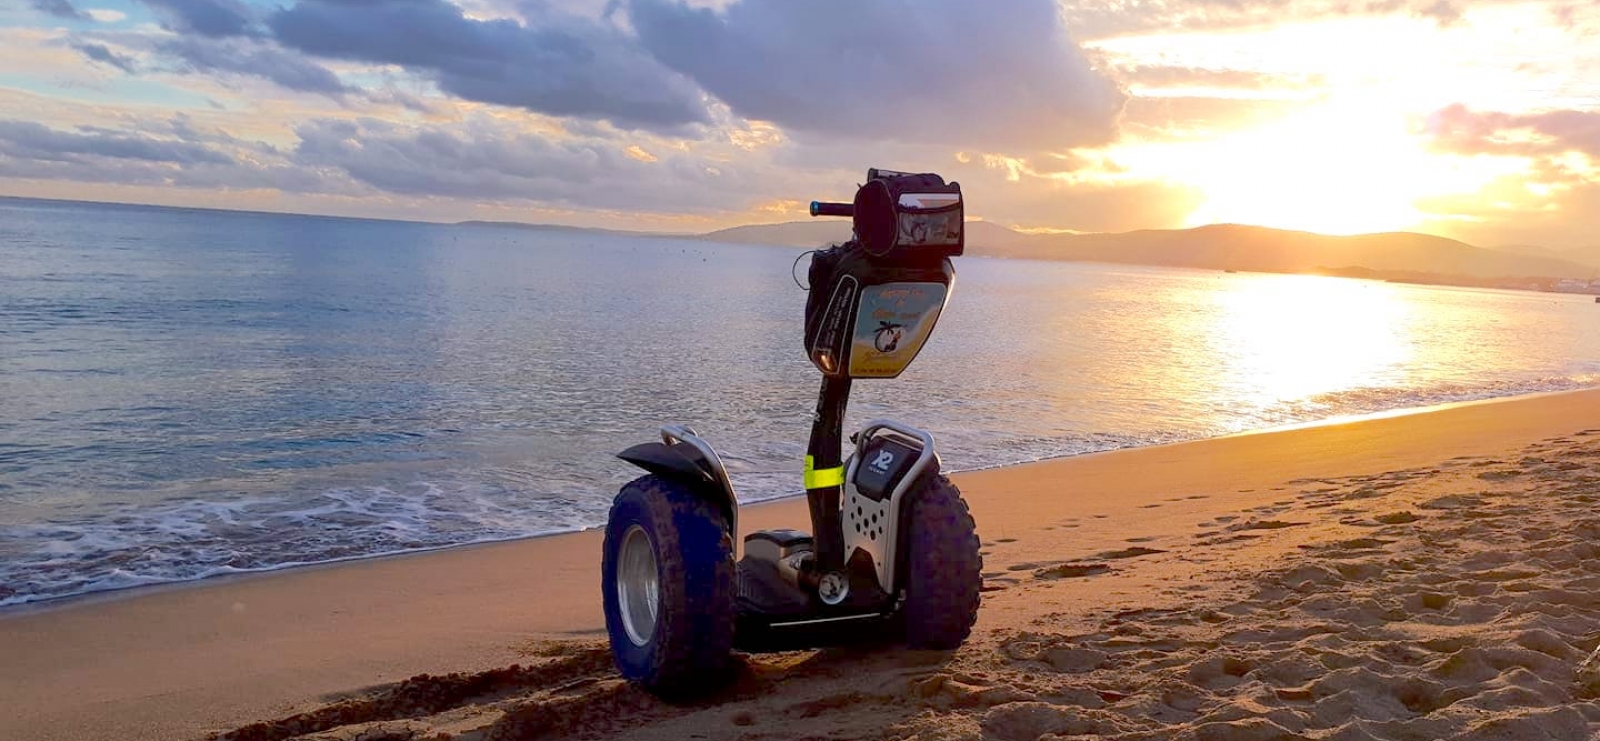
[(1472, 119)]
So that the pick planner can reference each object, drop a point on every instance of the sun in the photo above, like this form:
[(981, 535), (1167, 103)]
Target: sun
[(1334, 168)]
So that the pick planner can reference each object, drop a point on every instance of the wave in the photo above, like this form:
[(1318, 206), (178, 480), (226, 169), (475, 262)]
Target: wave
[(124, 546)]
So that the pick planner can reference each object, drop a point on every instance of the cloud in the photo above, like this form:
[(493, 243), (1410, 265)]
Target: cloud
[(170, 153), (214, 18), (558, 64), (59, 9), (1097, 19), (198, 55), (485, 159), (33, 141), (1554, 202), (1172, 76), (99, 53), (1459, 129), (946, 71)]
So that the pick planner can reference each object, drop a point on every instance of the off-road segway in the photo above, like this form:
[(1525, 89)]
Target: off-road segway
[(894, 553)]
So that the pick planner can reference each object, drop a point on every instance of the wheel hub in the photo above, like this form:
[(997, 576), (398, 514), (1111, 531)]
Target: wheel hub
[(638, 585)]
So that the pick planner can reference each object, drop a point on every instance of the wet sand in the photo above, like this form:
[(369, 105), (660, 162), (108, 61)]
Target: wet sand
[(1428, 575)]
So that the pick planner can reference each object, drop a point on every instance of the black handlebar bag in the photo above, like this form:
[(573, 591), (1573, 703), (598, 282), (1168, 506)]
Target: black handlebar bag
[(907, 217), (875, 299)]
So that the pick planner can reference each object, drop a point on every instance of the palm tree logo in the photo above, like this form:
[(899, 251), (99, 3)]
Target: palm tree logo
[(888, 337)]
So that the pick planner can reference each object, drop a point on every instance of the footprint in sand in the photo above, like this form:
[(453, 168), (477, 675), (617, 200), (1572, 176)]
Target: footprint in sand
[(1452, 501), (1397, 518), (1133, 552), (1265, 525), (1072, 570)]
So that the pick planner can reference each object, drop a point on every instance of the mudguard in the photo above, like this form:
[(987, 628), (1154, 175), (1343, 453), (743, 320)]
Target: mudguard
[(689, 459)]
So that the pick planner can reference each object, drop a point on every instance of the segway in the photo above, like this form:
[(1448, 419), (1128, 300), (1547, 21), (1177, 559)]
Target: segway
[(892, 555)]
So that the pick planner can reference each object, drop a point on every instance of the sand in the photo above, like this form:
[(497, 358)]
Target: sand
[(1421, 576)]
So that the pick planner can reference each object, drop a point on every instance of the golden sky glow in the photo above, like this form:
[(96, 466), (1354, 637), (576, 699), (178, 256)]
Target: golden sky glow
[(1336, 168), (1352, 153)]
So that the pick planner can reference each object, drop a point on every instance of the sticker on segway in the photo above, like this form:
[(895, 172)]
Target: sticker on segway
[(882, 461), (892, 323)]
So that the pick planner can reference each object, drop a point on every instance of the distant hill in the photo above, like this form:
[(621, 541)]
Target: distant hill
[(1236, 247), (1397, 256), (1221, 247), (522, 226), (821, 232), (1590, 257)]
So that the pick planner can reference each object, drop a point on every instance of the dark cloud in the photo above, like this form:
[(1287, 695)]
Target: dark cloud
[(99, 53), (559, 64), (27, 140), (389, 95), (59, 9), (948, 71), (154, 153), (250, 57), (1457, 128), (215, 18)]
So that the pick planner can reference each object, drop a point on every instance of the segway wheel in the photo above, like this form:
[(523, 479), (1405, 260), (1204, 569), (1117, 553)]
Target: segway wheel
[(943, 568), (668, 580)]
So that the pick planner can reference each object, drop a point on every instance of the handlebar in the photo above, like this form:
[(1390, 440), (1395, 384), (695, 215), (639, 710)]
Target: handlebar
[(823, 208)]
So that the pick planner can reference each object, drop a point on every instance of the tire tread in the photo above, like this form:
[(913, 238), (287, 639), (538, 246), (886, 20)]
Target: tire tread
[(944, 568), (693, 642)]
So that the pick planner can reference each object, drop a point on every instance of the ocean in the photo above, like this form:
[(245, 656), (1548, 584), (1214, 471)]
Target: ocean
[(186, 393)]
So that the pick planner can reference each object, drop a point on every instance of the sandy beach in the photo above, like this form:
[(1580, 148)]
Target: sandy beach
[(1417, 576)]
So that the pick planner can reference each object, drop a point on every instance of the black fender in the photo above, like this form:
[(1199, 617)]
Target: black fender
[(685, 464)]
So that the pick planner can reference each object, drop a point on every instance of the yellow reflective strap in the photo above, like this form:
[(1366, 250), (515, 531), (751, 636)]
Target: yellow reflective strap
[(818, 479)]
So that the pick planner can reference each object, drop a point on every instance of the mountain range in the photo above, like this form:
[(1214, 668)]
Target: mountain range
[(1404, 256)]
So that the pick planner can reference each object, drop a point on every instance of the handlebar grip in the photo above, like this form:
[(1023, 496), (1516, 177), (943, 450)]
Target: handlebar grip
[(823, 208)]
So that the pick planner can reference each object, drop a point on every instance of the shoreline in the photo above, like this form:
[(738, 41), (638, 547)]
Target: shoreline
[(133, 591), (208, 656)]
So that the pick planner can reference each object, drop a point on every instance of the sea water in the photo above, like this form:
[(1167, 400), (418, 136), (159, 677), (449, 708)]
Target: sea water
[(186, 393)]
